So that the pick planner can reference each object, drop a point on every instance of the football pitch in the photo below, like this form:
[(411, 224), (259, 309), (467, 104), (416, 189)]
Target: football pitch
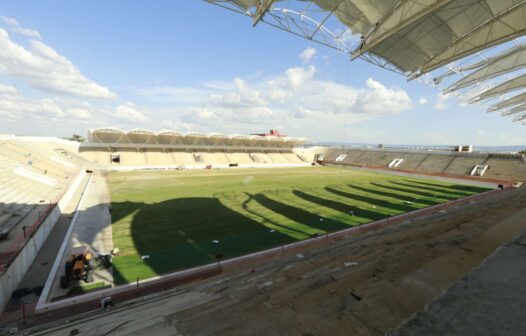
[(163, 221)]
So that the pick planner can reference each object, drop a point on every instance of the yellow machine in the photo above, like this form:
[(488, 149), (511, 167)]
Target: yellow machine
[(80, 266)]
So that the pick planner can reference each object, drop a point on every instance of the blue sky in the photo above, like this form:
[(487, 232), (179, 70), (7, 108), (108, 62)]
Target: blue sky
[(66, 67)]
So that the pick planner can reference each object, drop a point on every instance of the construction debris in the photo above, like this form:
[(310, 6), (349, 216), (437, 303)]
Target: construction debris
[(350, 263), (103, 262)]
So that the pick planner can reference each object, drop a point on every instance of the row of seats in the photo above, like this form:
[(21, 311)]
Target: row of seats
[(504, 168), (37, 157), (31, 174), (132, 157)]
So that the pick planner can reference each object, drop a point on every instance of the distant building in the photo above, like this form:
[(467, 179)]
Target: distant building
[(275, 133)]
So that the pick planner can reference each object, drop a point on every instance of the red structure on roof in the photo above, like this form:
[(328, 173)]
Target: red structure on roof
[(275, 133)]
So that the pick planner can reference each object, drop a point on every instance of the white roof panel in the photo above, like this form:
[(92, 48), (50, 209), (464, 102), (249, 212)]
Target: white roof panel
[(503, 88), (359, 15), (452, 31), (518, 99), (516, 109), (140, 136), (503, 63)]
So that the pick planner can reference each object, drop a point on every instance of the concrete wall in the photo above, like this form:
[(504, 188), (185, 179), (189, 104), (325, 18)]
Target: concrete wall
[(12, 276)]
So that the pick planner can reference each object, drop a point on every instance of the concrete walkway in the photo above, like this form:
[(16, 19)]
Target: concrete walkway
[(490, 300), (92, 229)]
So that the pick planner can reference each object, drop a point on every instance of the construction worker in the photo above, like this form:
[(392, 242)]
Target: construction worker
[(105, 302)]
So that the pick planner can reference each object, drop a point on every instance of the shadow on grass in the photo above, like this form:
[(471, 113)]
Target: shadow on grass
[(373, 201), (393, 195), (180, 233), (266, 218), (299, 215), (452, 192), (465, 188), (419, 192), (338, 206)]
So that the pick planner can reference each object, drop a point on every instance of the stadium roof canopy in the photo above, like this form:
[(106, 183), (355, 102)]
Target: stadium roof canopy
[(513, 101), (413, 37), (143, 138), (508, 61), (505, 87), (515, 110)]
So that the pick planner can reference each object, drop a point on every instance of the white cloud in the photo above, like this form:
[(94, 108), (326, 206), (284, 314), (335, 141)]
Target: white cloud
[(241, 96), (68, 112), (182, 94), (13, 106), (5, 89), (43, 68), (440, 106), (129, 112), (307, 55), (80, 113), (298, 76), (17, 28), (292, 98), (179, 126), (422, 101), (9, 21), (441, 102), (380, 100)]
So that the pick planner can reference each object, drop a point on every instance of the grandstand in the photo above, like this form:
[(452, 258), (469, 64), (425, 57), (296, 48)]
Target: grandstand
[(31, 174), (140, 149), (506, 167), (39, 176), (35, 177), (355, 248)]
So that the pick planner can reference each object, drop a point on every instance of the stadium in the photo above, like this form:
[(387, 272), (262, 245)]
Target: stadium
[(191, 233)]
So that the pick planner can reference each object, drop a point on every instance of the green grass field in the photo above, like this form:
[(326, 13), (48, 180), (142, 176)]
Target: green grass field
[(174, 216)]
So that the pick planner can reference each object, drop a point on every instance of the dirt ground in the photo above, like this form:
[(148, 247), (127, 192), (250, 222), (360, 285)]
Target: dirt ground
[(367, 285)]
